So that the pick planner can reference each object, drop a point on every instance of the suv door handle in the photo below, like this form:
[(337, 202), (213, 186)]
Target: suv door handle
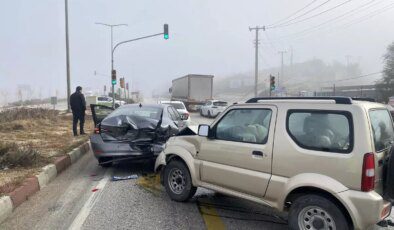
[(258, 153)]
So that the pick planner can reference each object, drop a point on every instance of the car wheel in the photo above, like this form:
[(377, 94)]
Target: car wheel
[(177, 181), (201, 113), (316, 212), (105, 159), (209, 114)]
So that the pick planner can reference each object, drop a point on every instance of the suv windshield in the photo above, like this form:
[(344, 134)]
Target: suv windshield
[(382, 128), (220, 103)]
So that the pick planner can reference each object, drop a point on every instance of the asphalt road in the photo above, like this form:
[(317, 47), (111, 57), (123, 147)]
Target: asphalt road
[(85, 197)]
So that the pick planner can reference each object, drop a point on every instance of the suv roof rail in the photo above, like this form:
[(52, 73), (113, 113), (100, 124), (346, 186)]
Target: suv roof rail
[(338, 100), (364, 99)]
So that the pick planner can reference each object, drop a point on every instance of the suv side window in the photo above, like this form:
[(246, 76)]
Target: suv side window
[(245, 125), (329, 131)]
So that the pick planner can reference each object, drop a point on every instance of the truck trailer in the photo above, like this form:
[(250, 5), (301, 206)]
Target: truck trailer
[(193, 90)]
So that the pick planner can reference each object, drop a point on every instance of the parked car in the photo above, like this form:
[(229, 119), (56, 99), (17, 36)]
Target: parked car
[(326, 161), (103, 100), (132, 132), (181, 108), (213, 108)]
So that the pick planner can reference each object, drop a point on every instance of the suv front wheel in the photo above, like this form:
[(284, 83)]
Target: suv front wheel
[(177, 181), (316, 212)]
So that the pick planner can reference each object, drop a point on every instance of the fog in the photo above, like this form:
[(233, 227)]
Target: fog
[(206, 37)]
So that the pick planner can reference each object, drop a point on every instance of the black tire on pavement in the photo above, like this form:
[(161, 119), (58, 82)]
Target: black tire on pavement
[(320, 207), (209, 114), (174, 168), (105, 159), (201, 113)]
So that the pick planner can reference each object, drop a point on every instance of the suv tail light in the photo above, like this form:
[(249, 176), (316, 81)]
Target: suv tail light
[(96, 130), (368, 177), (185, 116)]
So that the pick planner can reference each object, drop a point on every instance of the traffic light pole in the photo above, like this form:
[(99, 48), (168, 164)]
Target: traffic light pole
[(113, 51), (112, 58)]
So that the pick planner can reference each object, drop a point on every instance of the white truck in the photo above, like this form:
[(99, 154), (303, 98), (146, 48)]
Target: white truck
[(193, 90)]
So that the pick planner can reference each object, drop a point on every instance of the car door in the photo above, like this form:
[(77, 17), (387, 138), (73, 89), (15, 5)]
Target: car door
[(99, 112), (206, 108), (238, 155)]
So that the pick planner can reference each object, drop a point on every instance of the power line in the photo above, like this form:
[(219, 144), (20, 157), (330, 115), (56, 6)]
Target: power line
[(363, 18), (352, 78), (310, 17), (291, 15), (353, 11), (370, 15)]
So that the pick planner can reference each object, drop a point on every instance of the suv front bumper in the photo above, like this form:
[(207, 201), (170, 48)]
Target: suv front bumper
[(365, 208)]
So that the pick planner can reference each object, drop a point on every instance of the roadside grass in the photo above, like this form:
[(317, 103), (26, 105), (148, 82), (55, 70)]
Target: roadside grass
[(31, 139)]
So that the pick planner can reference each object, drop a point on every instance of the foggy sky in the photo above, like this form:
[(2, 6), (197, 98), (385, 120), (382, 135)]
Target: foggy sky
[(207, 37)]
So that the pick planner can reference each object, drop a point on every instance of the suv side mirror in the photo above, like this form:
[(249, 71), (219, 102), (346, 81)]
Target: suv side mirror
[(203, 130)]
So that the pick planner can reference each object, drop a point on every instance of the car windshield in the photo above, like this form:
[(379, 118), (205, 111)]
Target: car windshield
[(102, 99), (176, 105), (143, 111), (382, 128), (220, 103)]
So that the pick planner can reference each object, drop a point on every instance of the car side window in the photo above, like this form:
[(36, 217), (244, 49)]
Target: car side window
[(328, 131), (208, 103), (244, 125), (176, 114), (173, 113)]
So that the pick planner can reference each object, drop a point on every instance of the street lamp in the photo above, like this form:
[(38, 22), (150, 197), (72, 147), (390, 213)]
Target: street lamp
[(112, 61)]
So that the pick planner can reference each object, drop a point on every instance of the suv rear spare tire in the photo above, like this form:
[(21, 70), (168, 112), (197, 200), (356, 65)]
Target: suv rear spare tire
[(316, 212), (178, 182)]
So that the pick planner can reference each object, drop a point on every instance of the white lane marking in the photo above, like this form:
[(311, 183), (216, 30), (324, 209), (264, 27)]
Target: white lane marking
[(84, 212)]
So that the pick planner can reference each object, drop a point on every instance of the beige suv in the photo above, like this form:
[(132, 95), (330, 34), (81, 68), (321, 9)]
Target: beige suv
[(326, 161)]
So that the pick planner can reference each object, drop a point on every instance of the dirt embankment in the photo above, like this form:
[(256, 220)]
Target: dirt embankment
[(32, 138)]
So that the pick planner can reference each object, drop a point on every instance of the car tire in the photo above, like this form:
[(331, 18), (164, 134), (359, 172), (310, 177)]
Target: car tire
[(209, 114), (201, 113), (104, 159), (178, 182), (316, 211)]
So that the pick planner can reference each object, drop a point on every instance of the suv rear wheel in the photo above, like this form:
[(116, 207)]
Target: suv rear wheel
[(316, 212), (177, 181)]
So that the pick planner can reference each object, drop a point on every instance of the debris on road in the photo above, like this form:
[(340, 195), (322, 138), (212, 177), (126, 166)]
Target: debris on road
[(95, 190), (117, 178)]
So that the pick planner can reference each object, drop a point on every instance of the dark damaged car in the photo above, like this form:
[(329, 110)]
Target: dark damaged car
[(132, 132)]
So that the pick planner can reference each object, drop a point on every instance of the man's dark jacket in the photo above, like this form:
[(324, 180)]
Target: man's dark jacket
[(78, 103)]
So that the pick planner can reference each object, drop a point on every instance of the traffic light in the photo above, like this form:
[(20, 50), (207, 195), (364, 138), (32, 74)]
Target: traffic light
[(166, 36), (113, 77), (272, 82), (121, 81)]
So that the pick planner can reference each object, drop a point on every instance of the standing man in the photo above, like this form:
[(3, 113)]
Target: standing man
[(78, 107)]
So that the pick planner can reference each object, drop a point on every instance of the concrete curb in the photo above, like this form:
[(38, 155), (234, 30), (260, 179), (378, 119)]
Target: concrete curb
[(5, 207), (33, 184), (47, 175)]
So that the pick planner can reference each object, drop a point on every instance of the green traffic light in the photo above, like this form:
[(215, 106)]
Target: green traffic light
[(113, 82), (166, 36)]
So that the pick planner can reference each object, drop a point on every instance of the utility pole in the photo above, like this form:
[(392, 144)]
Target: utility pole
[(281, 68), (112, 55), (347, 64), (256, 67), (67, 59)]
